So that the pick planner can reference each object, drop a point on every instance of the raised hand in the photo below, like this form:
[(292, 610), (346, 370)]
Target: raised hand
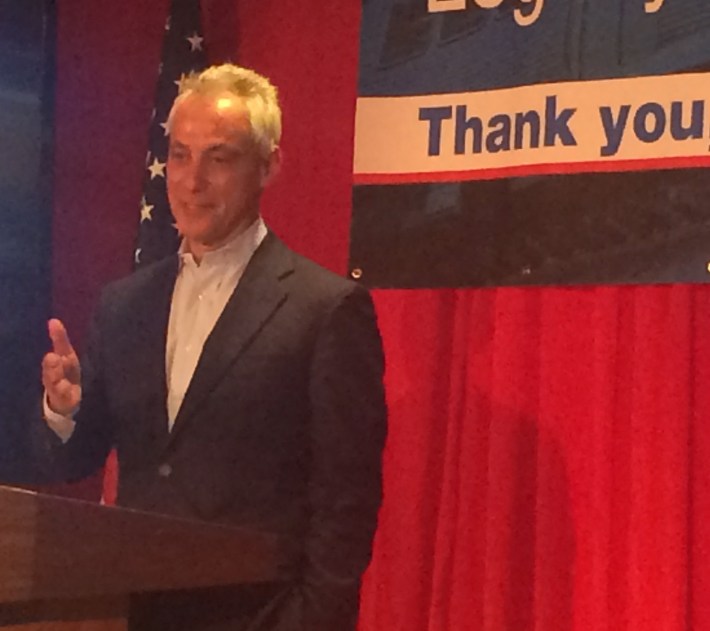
[(61, 372)]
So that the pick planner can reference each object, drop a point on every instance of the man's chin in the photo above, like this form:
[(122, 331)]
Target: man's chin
[(195, 240)]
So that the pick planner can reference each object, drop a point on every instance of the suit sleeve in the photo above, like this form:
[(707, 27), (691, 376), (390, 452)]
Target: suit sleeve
[(86, 450), (347, 434)]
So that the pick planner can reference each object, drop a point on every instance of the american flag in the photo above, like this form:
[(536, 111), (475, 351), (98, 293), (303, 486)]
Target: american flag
[(183, 52)]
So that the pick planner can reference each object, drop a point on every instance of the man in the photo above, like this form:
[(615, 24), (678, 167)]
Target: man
[(240, 382)]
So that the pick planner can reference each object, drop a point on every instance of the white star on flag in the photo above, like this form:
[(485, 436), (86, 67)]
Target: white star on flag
[(183, 54), (180, 81), (195, 42), (146, 210), (157, 169)]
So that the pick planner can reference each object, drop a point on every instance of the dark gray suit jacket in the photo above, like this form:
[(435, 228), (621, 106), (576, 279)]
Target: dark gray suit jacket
[(282, 429)]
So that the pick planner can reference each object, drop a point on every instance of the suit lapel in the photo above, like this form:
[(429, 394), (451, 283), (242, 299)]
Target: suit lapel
[(151, 325), (259, 294)]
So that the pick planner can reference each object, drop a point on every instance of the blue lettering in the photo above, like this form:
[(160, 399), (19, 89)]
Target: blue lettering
[(557, 125), (653, 113), (498, 139), (435, 116), (463, 125), (532, 119), (613, 129), (697, 120)]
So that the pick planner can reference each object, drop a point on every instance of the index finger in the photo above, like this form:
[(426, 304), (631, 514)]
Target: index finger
[(60, 338)]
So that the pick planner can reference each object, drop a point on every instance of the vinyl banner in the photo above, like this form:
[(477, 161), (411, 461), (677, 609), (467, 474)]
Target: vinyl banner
[(532, 142)]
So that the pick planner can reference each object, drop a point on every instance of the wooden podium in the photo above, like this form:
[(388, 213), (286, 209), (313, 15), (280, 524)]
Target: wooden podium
[(69, 565)]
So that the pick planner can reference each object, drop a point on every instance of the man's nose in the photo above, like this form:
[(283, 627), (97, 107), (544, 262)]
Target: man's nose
[(196, 177)]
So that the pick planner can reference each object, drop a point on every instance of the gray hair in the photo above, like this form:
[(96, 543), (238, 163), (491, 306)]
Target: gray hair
[(259, 95)]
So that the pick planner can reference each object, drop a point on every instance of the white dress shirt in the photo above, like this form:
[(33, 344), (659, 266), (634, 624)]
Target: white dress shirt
[(199, 297)]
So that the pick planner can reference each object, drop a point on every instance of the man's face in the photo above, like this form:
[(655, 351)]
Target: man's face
[(215, 173)]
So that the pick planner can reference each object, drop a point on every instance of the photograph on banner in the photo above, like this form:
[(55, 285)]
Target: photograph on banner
[(527, 142)]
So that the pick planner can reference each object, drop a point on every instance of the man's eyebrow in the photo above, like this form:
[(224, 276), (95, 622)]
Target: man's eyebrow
[(222, 147)]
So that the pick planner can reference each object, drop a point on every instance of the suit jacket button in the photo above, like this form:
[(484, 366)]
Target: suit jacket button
[(164, 470)]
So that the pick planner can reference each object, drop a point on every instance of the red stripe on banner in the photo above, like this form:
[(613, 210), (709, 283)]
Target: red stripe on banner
[(686, 162)]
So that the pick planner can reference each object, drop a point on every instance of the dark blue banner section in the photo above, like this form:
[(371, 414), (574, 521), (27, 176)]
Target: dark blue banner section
[(530, 142), (27, 53), (534, 231), (407, 49)]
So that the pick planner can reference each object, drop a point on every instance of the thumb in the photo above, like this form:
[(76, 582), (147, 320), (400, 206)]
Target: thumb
[(60, 338)]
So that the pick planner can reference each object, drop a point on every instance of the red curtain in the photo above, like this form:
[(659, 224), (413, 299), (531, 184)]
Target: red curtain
[(547, 462)]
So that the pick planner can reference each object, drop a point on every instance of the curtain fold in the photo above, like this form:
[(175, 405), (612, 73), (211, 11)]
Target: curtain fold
[(541, 468)]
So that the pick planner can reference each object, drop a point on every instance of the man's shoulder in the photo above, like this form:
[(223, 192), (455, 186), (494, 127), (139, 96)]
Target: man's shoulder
[(326, 278), (314, 279), (142, 281)]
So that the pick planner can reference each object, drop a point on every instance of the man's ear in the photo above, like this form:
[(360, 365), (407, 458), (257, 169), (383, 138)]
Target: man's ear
[(271, 167)]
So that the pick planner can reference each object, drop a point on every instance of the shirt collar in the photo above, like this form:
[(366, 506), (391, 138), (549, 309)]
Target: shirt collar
[(237, 250)]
